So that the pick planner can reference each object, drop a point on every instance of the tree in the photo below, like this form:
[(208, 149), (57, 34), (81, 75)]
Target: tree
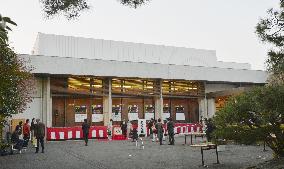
[(271, 30), (4, 28), (16, 81), (72, 8), (257, 115)]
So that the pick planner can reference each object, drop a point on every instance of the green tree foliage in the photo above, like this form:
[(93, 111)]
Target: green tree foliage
[(257, 115), (16, 81), (4, 28), (271, 30), (72, 8)]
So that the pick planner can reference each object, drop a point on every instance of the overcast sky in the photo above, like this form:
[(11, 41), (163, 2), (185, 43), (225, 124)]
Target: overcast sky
[(226, 26)]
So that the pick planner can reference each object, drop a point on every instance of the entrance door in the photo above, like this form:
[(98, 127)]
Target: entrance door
[(58, 117)]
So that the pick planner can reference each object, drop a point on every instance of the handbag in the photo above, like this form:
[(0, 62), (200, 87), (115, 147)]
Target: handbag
[(34, 142)]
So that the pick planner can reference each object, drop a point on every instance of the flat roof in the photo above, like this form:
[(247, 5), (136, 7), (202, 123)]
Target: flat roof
[(55, 65)]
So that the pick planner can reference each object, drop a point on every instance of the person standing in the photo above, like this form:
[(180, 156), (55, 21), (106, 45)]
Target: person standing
[(150, 127), (19, 127), (39, 131), (110, 129), (26, 132), (209, 129), (32, 129), (85, 128), (160, 131), (123, 127), (128, 129), (171, 131)]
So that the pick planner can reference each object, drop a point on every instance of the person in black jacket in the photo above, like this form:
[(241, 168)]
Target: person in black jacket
[(209, 129), (18, 143), (171, 131), (123, 127), (85, 128)]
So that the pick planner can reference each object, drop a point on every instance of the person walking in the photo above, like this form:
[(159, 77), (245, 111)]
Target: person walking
[(39, 131), (26, 132), (160, 131), (171, 132), (85, 128)]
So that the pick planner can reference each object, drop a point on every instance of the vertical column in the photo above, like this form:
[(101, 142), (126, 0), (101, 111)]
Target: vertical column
[(107, 101), (46, 113), (159, 101), (211, 107), (203, 108)]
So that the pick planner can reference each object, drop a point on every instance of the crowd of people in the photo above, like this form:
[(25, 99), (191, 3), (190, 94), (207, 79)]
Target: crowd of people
[(34, 132), (20, 137)]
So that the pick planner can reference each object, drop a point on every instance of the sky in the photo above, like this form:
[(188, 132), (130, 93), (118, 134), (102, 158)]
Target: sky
[(227, 26)]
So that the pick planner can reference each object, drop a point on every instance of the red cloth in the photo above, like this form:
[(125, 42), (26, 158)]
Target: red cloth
[(26, 129)]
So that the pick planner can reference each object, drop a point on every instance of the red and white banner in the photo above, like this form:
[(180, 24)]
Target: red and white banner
[(69, 133)]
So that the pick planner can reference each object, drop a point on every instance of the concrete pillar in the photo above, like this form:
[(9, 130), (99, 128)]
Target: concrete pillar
[(46, 107), (203, 108), (158, 107), (107, 101), (159, 102), (211, 107)]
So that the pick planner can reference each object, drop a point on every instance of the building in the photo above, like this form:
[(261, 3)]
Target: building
[(78, 78)]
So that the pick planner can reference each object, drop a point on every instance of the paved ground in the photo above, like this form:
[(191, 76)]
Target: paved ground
[(124, 155)]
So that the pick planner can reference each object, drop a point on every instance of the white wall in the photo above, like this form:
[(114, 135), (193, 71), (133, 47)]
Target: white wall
[(77, 47), (41, 105), (34, 108)]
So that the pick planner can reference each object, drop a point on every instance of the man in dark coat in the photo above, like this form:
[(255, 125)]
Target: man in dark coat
[(39, 131), (171, 131), (209, 129), (85, 128), (160, 131)]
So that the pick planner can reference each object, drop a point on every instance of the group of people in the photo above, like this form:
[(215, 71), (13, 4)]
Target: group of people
[(157, 130), (23, 133)]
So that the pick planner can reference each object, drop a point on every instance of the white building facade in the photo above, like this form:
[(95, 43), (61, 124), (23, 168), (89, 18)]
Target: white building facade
[(79, 78)]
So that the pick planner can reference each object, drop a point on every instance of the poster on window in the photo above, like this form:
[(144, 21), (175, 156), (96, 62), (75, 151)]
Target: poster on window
[(97, 113), (80, 113), (142, 129), (180, 112), (116, 116), (132, 116), (166, 112), (80, 117), (149, 116), (116, 113), (132, 112), (165, 116), (97, 117), (149, 112), (180, 116)]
